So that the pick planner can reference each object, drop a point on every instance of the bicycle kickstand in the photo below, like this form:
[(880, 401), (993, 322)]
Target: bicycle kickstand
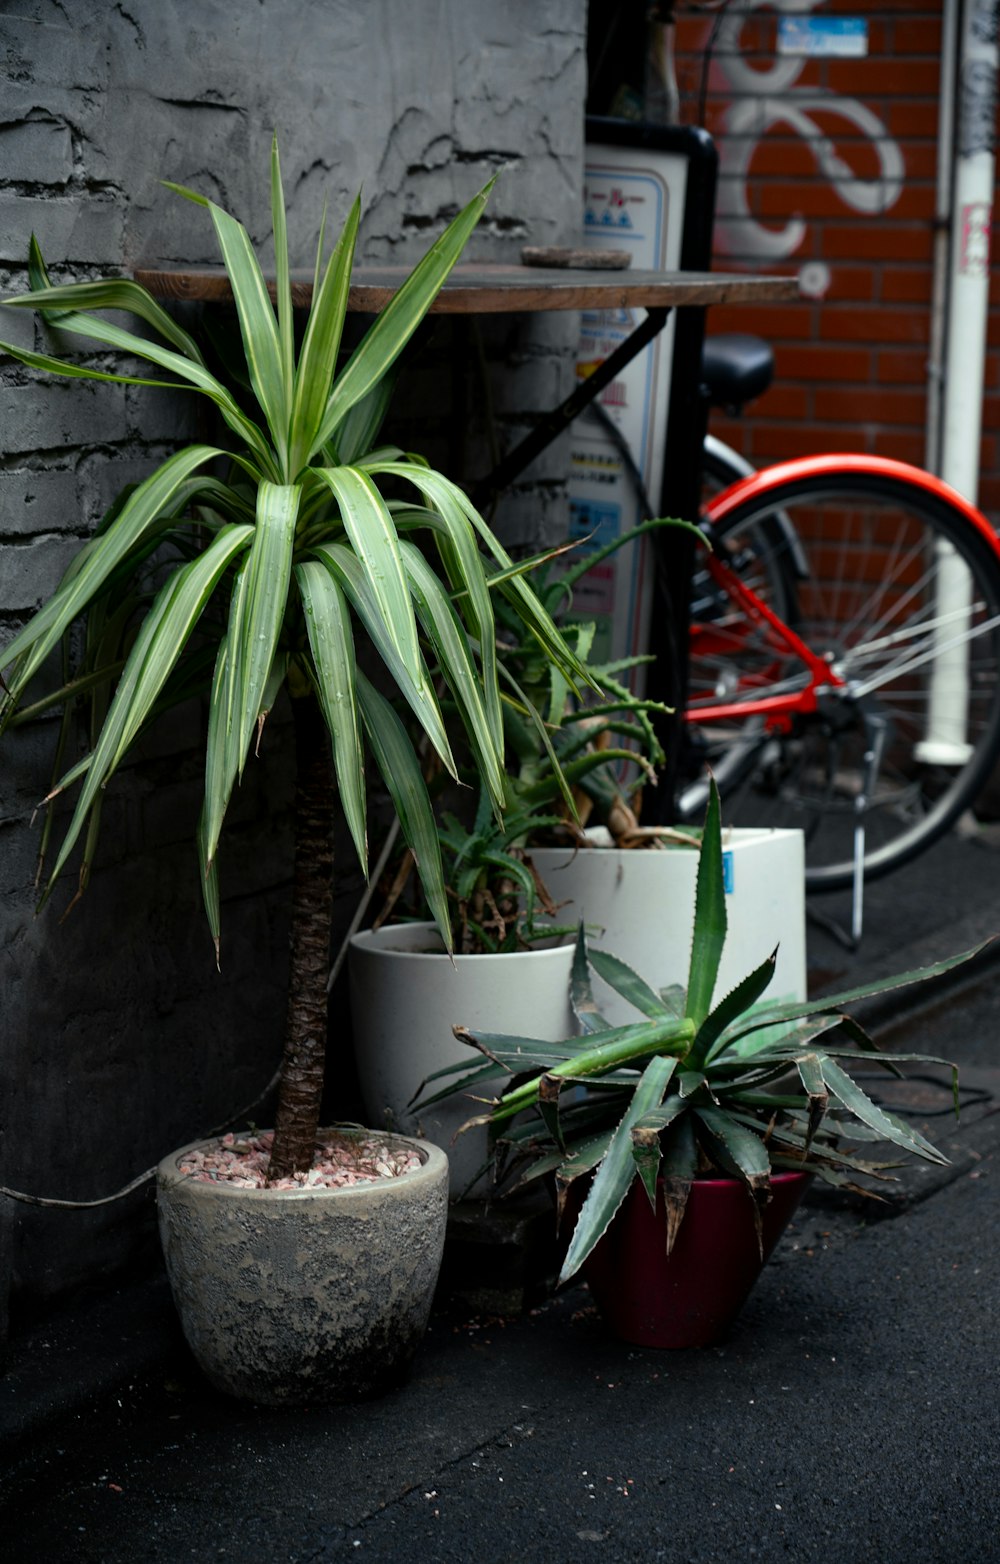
[(875, 730), (875, 726)]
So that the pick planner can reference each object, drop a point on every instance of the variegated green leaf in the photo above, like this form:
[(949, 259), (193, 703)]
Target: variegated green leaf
[(419, 692), (357, 432), (161, 640), (320, 346), (557, 782), (525, 601), (395, 325), (448, 638), (450, 519), (282, 280), (328, 625), (261, 341), (369, 526), (400, 770), (114, 293), (222, 763), (188, 370), (93, 566), (210, 890), (258, 610)]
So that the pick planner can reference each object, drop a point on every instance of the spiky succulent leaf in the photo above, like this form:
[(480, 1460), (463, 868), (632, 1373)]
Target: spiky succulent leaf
[(709, 916), (616, 1171), (726, 1082), (627, 983), (581, 990)]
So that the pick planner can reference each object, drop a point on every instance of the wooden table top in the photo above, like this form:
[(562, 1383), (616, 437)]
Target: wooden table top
[(486, 290)]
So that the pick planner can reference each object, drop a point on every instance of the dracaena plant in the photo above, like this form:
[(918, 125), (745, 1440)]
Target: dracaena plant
[(697, 1085), (264, 561)]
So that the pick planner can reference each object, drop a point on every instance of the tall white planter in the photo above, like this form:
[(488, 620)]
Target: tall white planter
[(405, 998), (639, 905)]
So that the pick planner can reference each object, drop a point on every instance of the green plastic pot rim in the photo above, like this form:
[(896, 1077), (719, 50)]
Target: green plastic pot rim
[(433, 1165)]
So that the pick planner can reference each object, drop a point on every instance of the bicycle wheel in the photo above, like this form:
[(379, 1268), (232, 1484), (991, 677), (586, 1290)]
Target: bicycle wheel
[(902, 598)]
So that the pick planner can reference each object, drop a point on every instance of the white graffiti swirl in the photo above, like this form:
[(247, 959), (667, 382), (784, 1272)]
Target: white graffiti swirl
[(765, 98)]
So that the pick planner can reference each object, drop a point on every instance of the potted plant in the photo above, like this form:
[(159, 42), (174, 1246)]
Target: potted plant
[(700, 1124), (513, 949), (272, 560), (614, 871)]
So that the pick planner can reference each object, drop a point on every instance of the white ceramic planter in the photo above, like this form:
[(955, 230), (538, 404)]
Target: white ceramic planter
[(640, 906), (405, 998), (304, 1295)]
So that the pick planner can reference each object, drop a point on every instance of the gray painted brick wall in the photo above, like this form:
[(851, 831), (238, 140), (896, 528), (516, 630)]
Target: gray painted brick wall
[(119, 1039)]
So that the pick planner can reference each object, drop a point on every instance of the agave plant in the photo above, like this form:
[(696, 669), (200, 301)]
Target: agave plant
[(258, 563), (732, 1087)]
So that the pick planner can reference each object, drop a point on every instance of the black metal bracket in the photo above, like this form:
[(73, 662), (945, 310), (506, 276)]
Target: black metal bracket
[(553, 424)]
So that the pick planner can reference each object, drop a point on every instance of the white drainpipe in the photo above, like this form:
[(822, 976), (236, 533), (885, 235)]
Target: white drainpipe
[(950, 20), (967, 303)]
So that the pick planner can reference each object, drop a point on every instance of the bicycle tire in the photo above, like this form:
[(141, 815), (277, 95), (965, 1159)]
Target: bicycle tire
[(870, 532)]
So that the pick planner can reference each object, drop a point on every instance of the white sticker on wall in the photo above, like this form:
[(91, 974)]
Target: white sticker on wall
[(844, 37)]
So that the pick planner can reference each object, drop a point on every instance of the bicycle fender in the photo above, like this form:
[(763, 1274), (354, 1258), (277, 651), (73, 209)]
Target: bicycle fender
[(847, 463)]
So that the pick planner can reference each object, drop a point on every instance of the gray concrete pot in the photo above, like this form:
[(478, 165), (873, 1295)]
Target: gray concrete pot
[(304, 1295)]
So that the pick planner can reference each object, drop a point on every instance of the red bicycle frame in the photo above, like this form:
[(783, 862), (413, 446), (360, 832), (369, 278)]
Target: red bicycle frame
[(758, 617)]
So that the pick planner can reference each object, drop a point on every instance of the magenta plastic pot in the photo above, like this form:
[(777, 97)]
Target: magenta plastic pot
[(691, 1298)]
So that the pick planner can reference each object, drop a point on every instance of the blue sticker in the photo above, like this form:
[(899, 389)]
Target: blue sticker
[(728, 875), (844, 37)]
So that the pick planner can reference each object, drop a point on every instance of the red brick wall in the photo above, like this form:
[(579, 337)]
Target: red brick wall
[(851, 362)]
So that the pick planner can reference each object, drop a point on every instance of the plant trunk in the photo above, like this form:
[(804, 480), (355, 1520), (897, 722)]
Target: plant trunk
[(301, 1090)]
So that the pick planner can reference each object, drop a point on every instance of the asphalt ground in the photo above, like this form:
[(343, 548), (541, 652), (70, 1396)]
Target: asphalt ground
[(853, 1412)]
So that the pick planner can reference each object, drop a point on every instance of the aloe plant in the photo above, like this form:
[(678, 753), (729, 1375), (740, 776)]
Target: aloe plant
[(259, 562), (569, 754), (698, 1084)]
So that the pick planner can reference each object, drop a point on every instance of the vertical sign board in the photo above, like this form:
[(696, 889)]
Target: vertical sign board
[(634, 201)]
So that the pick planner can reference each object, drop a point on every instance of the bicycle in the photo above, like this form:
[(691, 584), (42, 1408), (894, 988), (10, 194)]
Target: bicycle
[(844, 653), (844, 647)]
